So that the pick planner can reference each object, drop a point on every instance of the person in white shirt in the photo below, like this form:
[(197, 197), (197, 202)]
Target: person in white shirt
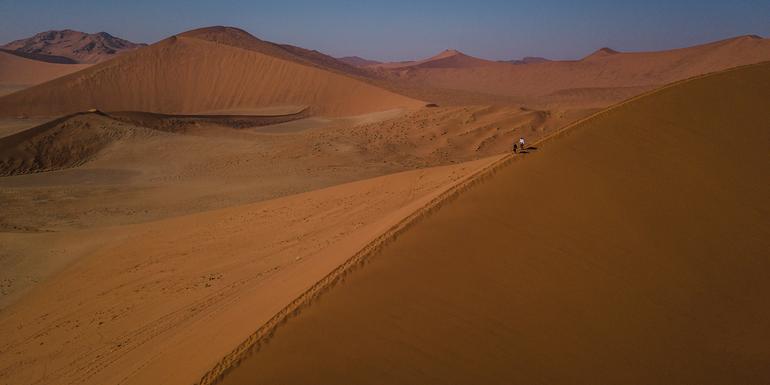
[(521, 144)]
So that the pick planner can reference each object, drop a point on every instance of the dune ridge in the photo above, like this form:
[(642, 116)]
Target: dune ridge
[(306, 298)]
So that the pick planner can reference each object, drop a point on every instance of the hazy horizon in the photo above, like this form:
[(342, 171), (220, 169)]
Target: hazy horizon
[(399, 30)]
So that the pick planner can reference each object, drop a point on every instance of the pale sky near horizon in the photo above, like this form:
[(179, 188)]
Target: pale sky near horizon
[(403, 30)]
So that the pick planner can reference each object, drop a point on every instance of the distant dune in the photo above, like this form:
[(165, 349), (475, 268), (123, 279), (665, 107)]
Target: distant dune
[(78, 46), (551, 81), (631, 249), (600, 53), (17, 72), (205, 70), (75, 139), (358, 61), (526, 60)]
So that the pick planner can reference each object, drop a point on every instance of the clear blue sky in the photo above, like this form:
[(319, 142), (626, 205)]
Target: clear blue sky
[(399, 30)]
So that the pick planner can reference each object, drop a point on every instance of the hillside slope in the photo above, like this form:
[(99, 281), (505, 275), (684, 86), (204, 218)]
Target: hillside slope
[(632, 249)]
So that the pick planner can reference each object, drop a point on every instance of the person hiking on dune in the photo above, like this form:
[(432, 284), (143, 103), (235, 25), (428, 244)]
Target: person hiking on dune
[(521, 143)]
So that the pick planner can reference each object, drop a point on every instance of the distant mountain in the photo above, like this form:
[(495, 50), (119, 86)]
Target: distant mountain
[(80, 47), (526, 60), (358, 61), (41, 57)]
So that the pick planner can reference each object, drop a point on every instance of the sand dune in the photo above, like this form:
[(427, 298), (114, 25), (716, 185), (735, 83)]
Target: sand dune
[(73, 140), (546, 83), (632, 249), (17, 72), (449, 58), (62, 143), (358, 61), (183, 75)]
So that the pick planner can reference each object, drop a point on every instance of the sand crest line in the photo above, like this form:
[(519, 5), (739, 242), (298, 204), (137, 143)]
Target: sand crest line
[(266, 331), (598, 114)]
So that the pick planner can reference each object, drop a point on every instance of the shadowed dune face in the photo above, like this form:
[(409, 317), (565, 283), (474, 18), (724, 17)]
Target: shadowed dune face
[(61, 143), (187, 75), (632, 249), (74, 140), (17, 72)]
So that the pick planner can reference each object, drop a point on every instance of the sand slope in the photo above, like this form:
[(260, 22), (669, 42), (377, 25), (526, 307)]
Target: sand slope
[(162, 302), (19, 72), (192, 74), (600, 79), (185, 165), (632, 249)]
